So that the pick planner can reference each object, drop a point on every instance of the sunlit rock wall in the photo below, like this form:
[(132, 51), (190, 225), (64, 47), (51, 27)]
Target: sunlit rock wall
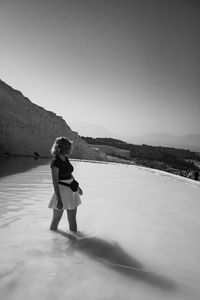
[(26, 128)]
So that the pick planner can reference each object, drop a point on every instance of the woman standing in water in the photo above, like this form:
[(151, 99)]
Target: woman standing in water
[(66, 189)]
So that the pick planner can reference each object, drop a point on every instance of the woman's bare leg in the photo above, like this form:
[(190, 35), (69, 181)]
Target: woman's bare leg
[(57, 215), (71, 214)]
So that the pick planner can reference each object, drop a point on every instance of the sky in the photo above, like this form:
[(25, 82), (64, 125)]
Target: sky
[(130, 66)]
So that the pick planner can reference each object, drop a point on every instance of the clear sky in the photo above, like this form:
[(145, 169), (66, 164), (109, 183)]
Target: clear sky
[(131, 66)]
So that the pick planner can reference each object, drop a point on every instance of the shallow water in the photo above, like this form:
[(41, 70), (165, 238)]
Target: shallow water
[(139, 235)]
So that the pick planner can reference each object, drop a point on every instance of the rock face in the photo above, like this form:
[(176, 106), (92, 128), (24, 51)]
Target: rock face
[(26, 128)]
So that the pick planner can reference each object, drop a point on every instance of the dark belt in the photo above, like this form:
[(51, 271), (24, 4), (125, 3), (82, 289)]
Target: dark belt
[(73, 185)]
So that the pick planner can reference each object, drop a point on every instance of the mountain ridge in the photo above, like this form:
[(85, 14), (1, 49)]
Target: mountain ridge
[(189, 141), (26, 128)]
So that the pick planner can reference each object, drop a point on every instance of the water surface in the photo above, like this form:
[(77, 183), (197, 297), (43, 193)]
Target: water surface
[(139, 235)]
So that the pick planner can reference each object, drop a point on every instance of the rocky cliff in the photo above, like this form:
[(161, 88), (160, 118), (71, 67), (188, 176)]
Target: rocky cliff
[(26, 128)]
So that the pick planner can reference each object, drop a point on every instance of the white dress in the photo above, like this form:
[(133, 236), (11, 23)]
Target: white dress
[(69, 198)]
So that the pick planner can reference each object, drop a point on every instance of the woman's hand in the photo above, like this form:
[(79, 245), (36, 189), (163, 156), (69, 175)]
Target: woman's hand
[(80, 191), (59, 205)]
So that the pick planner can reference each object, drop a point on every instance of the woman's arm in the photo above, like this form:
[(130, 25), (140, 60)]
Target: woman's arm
[(54, 172)]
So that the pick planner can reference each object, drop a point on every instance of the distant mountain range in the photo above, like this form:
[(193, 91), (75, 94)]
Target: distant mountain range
[(91, 130), (189, 141)]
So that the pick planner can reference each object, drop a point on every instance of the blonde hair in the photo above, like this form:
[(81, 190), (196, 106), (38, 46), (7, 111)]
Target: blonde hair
[(62, 145)]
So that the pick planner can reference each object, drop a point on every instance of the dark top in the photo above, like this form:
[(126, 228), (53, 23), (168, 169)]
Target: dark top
[(65, 167)]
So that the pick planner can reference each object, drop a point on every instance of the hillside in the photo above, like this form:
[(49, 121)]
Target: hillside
[(113, 151), (188, 141), (26, 128), (173, 160)]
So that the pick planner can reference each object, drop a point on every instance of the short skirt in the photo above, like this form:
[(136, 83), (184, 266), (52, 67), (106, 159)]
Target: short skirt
[(69, 198)]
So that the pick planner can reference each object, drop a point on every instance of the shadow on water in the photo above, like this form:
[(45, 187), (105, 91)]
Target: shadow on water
[(112, 255), (14, 164)]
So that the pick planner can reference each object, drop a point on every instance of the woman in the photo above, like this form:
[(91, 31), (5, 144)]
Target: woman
[(66, 188)]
